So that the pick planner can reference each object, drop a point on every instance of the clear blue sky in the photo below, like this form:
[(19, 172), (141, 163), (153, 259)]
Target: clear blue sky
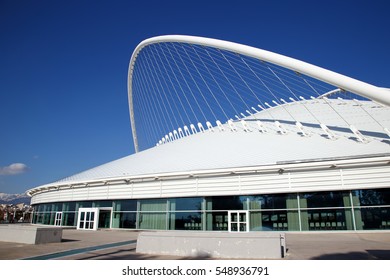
[(63, 66)]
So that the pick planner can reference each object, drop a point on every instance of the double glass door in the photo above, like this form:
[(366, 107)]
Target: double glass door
[(58, 219), (94, 218), (87, 218), (238, 221)]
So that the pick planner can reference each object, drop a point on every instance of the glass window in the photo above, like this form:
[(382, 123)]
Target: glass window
[(56, 207), (188, 203), (69, 206), (47, 218), (186, 221), (69, 219), (327, 219), (125, 205), (324, 199), (84, 204), (149, 220), (371, 197), (124, 220), (102, 203), (43, 207), (153, 205), (268, 220), (273, 201), (374, 218), (37, 218), (227, 203), (217, 221)]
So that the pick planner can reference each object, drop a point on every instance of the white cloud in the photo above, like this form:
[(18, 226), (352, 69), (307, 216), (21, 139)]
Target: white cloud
[(13, 169)]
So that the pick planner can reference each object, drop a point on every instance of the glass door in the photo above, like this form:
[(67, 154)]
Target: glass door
[(105, 217), (238, 221), (87, 218), (58, 219)]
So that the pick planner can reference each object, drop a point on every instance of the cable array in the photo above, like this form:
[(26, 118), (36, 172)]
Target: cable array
[(181, 89)]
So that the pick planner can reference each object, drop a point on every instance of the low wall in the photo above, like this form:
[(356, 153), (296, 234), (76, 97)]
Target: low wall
[(30, 234), (251, 245)]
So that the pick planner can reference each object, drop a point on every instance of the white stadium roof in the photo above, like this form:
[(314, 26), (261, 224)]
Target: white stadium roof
[(229, 149)]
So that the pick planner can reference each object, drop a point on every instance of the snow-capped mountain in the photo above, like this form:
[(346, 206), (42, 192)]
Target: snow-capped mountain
[(6, 198)]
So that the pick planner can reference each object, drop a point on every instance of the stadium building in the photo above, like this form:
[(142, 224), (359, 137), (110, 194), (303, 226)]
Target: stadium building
[(234, 138)]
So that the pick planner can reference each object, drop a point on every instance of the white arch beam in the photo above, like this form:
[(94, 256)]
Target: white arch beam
[(381, 95)]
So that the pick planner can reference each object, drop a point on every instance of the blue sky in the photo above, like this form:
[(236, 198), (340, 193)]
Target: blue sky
[(63, 66)]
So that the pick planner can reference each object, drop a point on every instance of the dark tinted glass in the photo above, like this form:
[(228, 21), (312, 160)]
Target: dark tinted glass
[(126, 220), (188, 203), (376, 218), (102, 203), (372, 197), (85, 204), (126, 205), (226, 203), (186, 221), (324, 199), (69, 206), (273, 201)]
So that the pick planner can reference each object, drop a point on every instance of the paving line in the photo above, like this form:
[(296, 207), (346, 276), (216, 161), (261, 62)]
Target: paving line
[(80, 251)]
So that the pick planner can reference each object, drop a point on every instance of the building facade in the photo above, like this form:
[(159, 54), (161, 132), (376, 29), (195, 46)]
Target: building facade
[(367, 209), (343, 197)]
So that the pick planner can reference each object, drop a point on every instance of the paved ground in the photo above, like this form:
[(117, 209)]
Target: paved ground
[(338, 246), (121, 244)]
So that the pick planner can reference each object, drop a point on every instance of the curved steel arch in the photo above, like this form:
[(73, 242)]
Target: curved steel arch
[(381, 95)]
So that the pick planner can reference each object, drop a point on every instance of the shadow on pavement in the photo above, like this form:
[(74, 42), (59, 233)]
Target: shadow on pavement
[(69, 240), (130, 254), (368, 255)]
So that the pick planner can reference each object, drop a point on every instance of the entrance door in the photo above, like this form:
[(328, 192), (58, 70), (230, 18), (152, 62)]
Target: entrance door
[(105, 217), (87, 218), (238, 221), (58, 219)]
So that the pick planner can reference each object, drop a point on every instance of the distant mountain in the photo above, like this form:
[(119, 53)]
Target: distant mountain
[(6, 198)]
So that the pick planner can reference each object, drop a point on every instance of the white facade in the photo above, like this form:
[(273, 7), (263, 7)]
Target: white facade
[(326, 176)]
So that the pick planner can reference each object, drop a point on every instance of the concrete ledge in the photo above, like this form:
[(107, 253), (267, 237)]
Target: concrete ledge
[(251, 245), (29, 234)]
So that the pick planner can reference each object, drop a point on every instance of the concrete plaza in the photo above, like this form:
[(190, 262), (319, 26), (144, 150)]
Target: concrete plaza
[(121, 245)]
